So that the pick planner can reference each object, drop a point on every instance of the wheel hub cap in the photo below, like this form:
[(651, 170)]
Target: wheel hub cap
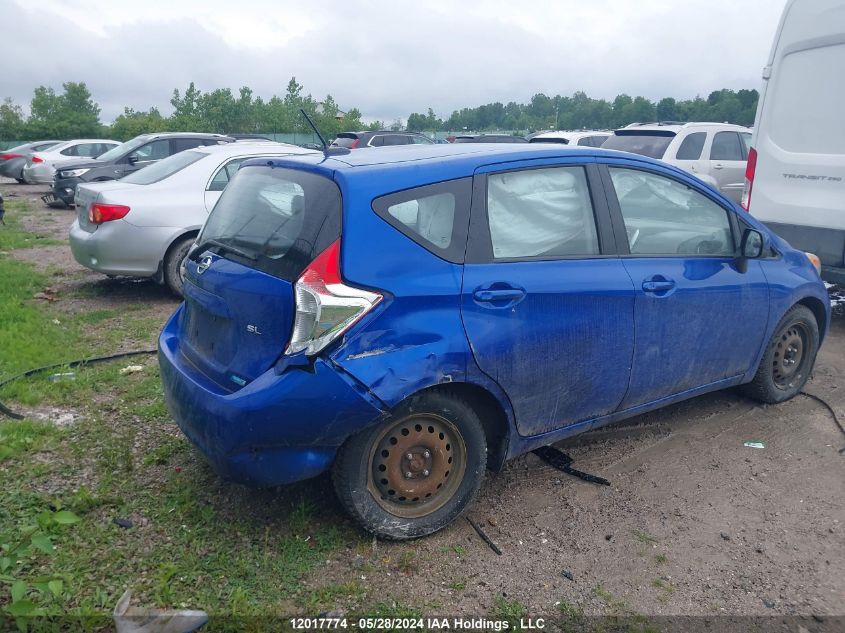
[(789, 352)]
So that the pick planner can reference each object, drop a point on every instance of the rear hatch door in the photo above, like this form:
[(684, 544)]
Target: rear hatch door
[(268, 225)]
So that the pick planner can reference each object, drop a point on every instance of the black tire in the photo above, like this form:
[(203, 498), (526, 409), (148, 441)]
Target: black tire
[(438, 435), (172, 266), (20, 181), (789, 358)]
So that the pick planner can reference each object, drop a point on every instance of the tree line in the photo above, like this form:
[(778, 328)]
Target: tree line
[(73, 113)]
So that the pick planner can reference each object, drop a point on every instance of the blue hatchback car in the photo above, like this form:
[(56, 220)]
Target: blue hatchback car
[(409, 317)]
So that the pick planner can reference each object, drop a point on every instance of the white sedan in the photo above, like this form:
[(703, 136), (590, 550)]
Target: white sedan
[(40, 166), (144, 224)]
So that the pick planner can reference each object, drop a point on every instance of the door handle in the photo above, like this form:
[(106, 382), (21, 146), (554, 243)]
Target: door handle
[(718, 166), (501, 294), (658, 285)]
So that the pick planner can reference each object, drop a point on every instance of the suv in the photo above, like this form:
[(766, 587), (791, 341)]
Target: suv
[(715, 152), (589, 138), (130, 156), (488, 138), (357, 140), (410, 317)]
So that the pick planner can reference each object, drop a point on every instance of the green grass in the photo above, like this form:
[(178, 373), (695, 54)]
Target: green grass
[(511, 610), (12, 233), (644, 537), (195, 541)]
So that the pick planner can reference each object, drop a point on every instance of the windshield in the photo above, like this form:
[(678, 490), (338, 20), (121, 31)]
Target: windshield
[(279, 219), (120, 150), (163, 168), (651, 144)]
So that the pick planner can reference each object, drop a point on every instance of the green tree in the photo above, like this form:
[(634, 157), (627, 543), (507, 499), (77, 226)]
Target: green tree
[(11, 120)]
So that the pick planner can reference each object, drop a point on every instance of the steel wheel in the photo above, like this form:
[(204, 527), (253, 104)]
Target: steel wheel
[(788, 364), (417, 465)]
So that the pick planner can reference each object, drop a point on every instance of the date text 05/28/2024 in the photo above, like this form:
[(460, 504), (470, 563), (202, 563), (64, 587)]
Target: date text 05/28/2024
[(408, 624)]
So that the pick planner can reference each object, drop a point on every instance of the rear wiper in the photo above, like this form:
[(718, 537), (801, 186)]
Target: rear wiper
[(223, 246)]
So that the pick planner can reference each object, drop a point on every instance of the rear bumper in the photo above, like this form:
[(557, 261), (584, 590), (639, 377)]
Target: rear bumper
[(278, 429), (38, 174), (120, 248)]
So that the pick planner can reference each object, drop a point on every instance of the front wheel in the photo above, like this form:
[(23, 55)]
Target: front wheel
[(415, 473), (789, 358)]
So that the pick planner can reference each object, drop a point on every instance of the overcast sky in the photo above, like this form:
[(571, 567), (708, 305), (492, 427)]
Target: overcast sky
[(386, 58)]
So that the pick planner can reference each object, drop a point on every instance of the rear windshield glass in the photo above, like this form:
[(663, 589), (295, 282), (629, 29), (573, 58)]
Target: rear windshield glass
[(344, 141), (163, 168), (651, 145), (274, 219)]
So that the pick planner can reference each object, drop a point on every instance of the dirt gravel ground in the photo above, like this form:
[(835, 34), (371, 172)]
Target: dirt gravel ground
[(694, 521)]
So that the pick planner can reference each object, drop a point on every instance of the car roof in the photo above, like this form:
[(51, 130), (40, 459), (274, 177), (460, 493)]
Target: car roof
[(568, 134), (458, 159), (252, 147), (183, 135), (677, 127)]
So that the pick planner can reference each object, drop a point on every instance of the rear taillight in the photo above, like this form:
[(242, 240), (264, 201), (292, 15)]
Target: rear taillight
[(325, 306), (37, 159), (750, 168), (355, 143), (9, 156), (99, 213)]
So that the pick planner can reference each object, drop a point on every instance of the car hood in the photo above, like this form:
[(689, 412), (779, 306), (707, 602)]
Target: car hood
[(77, 163)]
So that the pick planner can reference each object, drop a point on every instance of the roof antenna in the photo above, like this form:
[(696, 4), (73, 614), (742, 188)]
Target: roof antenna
[(316, 131)]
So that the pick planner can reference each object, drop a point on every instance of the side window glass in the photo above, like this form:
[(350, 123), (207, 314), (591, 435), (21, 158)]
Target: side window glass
[(726, 146), (665, 217), (152, 151), (541, 212), (434, 216), (181, 144), (89, 149), (73, 150), (691, 146), (395, 139), (746, 144), (224, 175), (377, 141)]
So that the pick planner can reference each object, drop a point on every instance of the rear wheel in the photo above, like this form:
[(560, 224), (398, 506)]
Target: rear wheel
[(789, 358), (415, 473), (172, 267)]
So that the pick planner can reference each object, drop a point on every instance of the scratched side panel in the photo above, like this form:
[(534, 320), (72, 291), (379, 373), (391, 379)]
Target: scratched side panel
[(416, 339)]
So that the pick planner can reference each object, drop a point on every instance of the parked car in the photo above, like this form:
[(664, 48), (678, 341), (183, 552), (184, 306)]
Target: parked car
[(715, 152), (126, 158), (589, 138), (40, 166), (488, 138), (13, 160), (517, 296), (795, 179), (358, 140), (144, 224)]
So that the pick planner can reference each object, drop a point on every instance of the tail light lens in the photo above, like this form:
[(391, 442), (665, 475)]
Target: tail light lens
[(325, 306), (9, 156), (750, 168), (355, 143), (37, 159), (99, 213)]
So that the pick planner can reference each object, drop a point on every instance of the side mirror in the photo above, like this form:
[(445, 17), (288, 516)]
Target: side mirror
[(750, 247), (133, 158)]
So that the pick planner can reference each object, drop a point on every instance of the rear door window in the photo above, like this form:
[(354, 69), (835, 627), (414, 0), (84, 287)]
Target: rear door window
[(224, 175), (726, 146), (539, 213), (434, 216), (181, 144), (691, 146), (665, 217), (274, 219), (396, 139)]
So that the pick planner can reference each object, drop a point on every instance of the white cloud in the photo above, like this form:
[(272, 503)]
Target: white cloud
[(386, 58)]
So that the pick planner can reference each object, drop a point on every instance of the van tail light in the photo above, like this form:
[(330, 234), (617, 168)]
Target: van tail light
[(99, 213), (37, 159), (325, 306), (355, 143), (750, 168)]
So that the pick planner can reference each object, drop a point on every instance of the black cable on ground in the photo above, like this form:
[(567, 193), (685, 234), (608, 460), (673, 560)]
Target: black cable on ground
[(74, 363), (824, 403)]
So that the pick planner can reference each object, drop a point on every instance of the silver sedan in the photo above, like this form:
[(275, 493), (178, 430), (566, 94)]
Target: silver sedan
[(144, 224)]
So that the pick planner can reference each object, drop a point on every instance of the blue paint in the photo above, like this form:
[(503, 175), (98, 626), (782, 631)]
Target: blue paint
[(562, 345)]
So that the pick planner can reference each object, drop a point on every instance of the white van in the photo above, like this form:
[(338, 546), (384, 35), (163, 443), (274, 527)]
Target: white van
[(795, 179)]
